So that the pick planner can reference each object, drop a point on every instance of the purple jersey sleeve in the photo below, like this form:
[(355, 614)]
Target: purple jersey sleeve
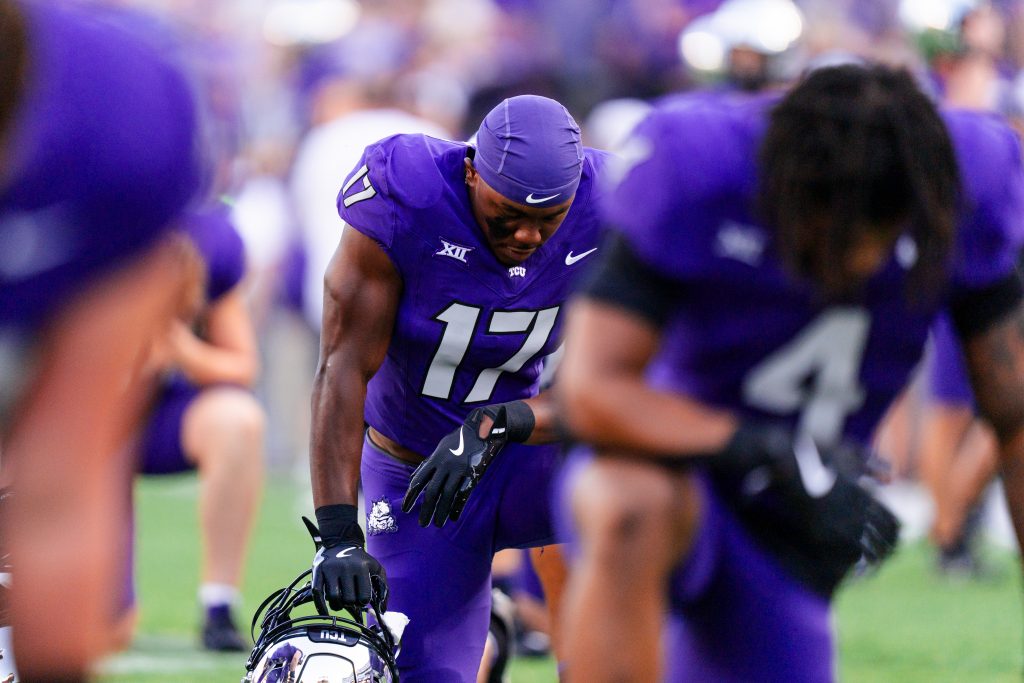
[(679, 167), (364, 201), (221, 249), (991, 228), (395, 175)]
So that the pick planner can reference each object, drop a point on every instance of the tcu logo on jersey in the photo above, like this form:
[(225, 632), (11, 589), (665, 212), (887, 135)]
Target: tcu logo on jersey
[(517, 271), (453, 250)]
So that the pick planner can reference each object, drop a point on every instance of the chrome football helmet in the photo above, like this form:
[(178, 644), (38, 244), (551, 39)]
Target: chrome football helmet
[(321, 648)]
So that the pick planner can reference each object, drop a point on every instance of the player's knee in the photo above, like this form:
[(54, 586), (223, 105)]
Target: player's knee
[(228, 421), (623, 506), (248, 420)]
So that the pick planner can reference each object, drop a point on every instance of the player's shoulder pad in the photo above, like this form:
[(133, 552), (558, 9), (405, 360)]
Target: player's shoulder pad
[(409, 170), (220, 245), (987, 150), (702, 139), (598, 167)]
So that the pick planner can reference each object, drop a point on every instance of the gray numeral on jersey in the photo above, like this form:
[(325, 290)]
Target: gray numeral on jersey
[(518, 321), (817, 373), (365, 193), (460, 321)]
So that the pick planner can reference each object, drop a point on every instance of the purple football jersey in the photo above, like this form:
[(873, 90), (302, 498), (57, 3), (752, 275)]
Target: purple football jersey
[(220, 247), (469, 331), (747, 336), (103, 154)]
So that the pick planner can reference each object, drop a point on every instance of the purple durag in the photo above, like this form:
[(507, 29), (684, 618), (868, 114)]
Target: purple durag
[(529, 149)]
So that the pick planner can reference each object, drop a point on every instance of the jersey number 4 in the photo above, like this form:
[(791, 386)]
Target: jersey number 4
[(459, 324), (817, 373)]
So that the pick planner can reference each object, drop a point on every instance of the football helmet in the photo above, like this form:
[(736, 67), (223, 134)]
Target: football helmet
[(321, 648)]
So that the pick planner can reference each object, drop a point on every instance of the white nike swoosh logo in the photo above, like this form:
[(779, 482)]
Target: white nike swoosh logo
[(817, 479), (530, 199), (345, 552), (571, 259), (462, 444)]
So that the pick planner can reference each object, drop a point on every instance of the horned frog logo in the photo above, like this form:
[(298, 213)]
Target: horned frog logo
[(381, 520)]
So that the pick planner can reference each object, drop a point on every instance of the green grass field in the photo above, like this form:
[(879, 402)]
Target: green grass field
[(904, 625)]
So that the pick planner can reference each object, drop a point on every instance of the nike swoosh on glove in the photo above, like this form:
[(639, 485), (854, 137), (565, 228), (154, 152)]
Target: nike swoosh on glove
[(454, 469), (348, 577)]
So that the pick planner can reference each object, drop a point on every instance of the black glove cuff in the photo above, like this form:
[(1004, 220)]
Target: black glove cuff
[(753, 444), (339, 525), (520, 420)]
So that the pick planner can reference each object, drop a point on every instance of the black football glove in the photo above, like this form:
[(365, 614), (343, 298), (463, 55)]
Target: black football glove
[(824, 499), (345, 576), (458, 463)]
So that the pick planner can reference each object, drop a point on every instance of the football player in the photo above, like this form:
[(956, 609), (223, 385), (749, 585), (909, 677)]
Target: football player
[(98, 157), (958, 455), (205, 417), (441, 303), (775, 269)]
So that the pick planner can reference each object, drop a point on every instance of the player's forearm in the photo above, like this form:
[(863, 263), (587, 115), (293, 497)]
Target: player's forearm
[(623, 412), (339, 393), (206, 364), (603, 399), (545, 425)]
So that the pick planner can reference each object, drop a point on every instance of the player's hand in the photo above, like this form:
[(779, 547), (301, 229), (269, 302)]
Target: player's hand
[(346, 576), (456, 466), (822, 488)]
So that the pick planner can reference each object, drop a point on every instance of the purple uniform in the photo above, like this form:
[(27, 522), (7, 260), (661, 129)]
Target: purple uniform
[(223, 253), (469, 331), (100, 157), (745, 336), (948, 383)]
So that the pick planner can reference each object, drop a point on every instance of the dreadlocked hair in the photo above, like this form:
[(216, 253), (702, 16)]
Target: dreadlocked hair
[(855, 151), (13, 58)]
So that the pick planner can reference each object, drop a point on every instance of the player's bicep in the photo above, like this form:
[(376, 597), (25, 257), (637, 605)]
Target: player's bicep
[(995, 359), (362, 289)]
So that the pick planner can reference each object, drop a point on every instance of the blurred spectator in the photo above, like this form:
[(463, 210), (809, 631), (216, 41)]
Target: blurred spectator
[(361, 113)]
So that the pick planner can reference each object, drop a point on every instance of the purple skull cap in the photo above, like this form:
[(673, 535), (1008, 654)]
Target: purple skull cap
[(530, 150)]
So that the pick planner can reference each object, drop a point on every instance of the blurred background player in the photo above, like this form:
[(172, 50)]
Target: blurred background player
[(958, 455), (205, 417), (827, 225), (98, 142), (440, 305)]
